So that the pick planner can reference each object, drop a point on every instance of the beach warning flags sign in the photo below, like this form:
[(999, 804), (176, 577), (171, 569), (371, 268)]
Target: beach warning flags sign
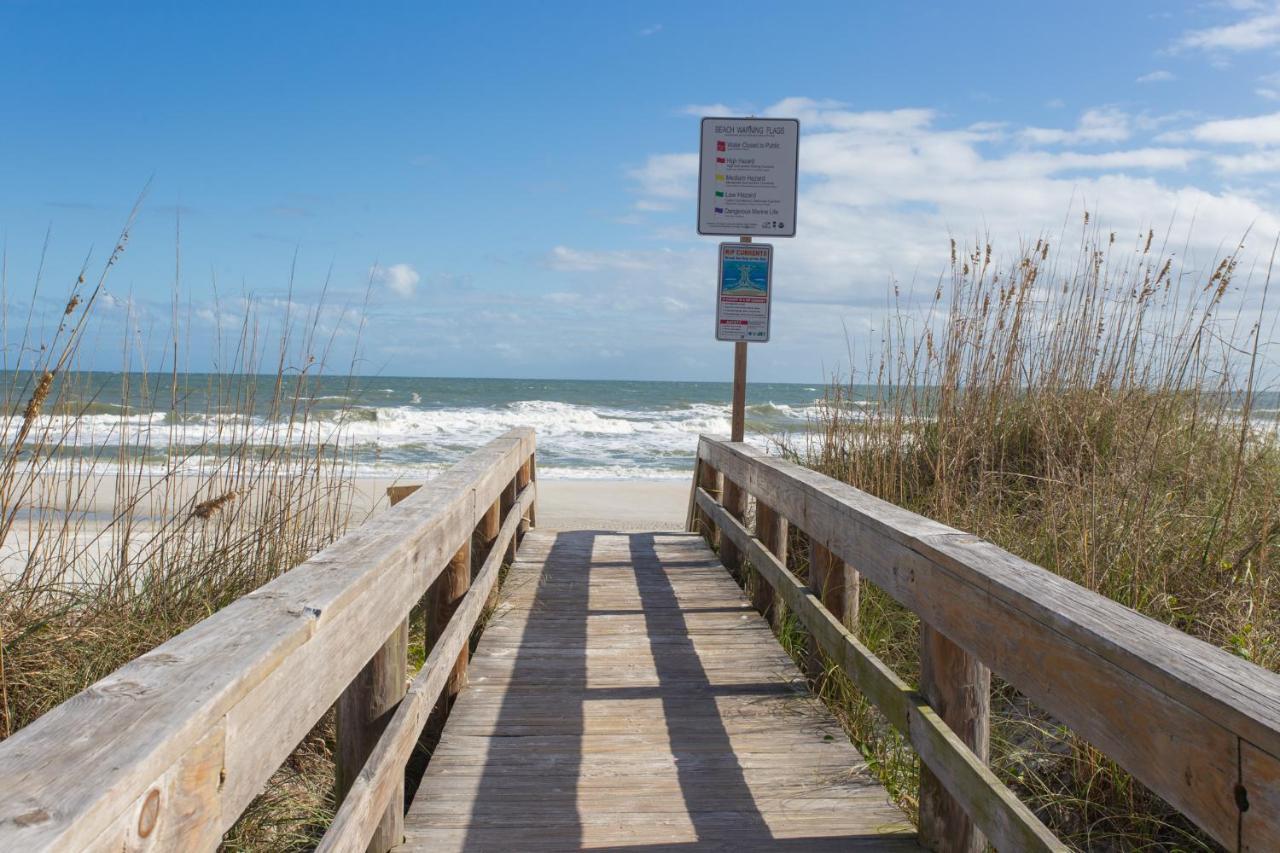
[(747, 169)]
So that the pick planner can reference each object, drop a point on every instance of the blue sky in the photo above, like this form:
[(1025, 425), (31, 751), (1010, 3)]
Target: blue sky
[(517, 180)]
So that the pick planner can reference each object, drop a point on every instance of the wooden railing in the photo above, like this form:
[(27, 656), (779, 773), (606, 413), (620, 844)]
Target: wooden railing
[(1196, 725), (166, 752)]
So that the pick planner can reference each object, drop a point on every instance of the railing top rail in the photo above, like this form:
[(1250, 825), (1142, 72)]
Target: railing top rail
[(1190, 720), (178, 741)]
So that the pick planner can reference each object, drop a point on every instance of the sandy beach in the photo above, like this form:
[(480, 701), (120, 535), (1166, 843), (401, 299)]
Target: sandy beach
[(657, 504), (654, 504)]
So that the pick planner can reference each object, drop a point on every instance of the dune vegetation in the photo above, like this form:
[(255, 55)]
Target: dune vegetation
[(1096, 407), (110, 548)]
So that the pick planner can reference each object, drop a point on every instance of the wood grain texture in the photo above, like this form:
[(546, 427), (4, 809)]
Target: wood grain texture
[(507, 500), (378, 786), (771, 530), (261, 670), (997, 812), (835, 582), (958, 687), (443, 599), (532, 512), (735, 501), (1260, 781), (708, 479), (626, 695), (1167, 707), (397, 493), (363, 710)]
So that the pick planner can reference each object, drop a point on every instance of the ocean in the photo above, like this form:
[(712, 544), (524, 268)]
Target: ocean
[(412, 426), (405, 426)]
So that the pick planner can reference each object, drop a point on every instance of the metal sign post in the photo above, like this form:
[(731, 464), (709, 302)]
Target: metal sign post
[(738, 420)]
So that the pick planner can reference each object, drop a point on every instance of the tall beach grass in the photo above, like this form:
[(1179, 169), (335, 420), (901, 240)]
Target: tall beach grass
[(1105, 410), (107, 549)]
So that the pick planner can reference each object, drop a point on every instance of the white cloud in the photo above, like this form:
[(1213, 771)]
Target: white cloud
[(668, 176), (1254, 130), (1269, 87), (400, 279), (1259, 30), (883, 191), (717, 109), (1159, 76), (1105, 124), (1261, 162), (564, 259), (649, 31)]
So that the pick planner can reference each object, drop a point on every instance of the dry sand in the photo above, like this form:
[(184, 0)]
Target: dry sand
[(612, 504), (582, 504), (589, 504), (562, 505)]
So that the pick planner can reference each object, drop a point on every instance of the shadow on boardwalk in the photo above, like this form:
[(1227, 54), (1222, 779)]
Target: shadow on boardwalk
[(628, 697)]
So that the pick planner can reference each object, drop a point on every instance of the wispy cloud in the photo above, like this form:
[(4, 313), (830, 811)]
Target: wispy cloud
[(1105, 124), (1260, 29), (667, 176), (1159, 76), (718, 109), (1255, 130), (400, 279), (564, 259), (1269, 87), (651, 31)]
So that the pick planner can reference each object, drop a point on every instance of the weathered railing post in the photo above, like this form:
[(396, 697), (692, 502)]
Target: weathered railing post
[(958, 687), (524, 475), (444, 596), (533, 478), (835, 582), (735, 502), (709, 481), (771, 530), (363, 710), (490, 525), (506, 501)]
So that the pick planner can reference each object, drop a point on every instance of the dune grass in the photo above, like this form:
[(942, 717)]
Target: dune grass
[(113, 546), (1099, 410)]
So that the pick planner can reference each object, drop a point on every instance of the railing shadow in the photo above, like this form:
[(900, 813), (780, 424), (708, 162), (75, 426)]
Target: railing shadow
[(531, 792), (688, 695), (534, 692)]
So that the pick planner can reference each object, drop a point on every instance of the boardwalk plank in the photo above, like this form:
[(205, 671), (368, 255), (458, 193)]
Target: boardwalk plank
[(626, 696)]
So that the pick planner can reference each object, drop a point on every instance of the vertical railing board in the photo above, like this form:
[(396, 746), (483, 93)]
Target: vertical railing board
[(362, 713), (1260, 790), (375, 786), (444, 597), (958, 687), (771, 529)]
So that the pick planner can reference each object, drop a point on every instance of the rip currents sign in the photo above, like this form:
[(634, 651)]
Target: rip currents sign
[(745, 292)]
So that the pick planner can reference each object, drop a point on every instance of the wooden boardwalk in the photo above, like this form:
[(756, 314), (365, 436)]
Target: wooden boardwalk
[(627, 696)]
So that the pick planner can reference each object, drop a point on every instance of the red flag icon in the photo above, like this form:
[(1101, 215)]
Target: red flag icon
[(719, 144)]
